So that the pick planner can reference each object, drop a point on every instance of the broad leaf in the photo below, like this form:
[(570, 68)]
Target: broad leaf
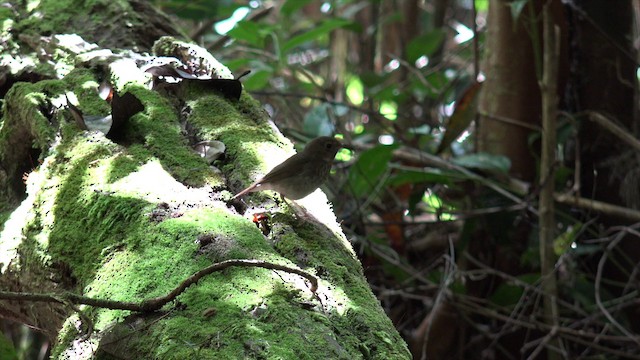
[(313, 34), (317, 121), (425, 45), (509, 294), (249, 32), (291, 6), (484, 161), (258, 79), (369, 168)]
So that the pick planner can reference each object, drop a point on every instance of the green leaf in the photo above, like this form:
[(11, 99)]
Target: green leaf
[(509, 294), (238, 64), (425, 45), (437, 84), (563, 174), (354, 90), (257, 80), (317, 121), (484, 161), (313, 34), (249, 32), (506, 295), (366, 173), (563, 242), (458, 287), (482, 5), (371, 79), (386, 93), (291, 6), (566, 131), (7, 350), (196, 9)]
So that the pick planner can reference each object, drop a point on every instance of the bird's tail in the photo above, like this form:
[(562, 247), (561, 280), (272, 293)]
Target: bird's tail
[(251, 188)]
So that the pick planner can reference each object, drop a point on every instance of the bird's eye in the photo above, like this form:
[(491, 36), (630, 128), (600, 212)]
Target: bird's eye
[(328, 145)]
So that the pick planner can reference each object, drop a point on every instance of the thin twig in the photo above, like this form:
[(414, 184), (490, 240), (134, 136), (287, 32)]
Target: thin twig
[(516, 281), (448, 278), (154, 304), (543, 343), (599, 206), (622, 134), (510, 121), (421, 157), (598, 281), (580, 337)]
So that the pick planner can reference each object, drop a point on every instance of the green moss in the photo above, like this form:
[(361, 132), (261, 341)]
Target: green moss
[(84, 221), (313, 247), (6, 13), (164, 257), (85, 86), (252, 109), (140, 258), (68, 16), (124, 164), (94, 213), (22, 113), (238, 124), (49, 17), (86, 215), (248, 309), (158, 128), (216, 118), (25, 135)]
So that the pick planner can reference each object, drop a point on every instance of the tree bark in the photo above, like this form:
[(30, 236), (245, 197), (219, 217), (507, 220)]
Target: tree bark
[(129, 215), (510, 89)]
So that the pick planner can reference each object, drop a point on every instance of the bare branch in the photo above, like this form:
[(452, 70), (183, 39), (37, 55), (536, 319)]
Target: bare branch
[(155, 304)]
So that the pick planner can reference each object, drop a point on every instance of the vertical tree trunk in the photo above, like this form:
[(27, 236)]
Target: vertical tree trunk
[(510, 90)]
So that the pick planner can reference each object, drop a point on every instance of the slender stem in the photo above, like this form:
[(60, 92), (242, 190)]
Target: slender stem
[(535, 40), (548, 89)]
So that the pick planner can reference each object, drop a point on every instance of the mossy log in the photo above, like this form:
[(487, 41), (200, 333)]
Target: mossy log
[(127, 217)]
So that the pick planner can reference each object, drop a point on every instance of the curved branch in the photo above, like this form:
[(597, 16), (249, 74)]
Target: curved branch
[(155, 304)]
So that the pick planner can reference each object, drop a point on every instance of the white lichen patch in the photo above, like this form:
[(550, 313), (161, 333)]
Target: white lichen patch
[(151, 182), (12, 234)]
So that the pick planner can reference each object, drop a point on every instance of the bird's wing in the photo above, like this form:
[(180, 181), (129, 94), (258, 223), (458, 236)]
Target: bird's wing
[(278, 173), (283, 170)]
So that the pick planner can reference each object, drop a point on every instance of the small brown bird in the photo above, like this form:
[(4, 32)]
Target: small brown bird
[(301, 174)]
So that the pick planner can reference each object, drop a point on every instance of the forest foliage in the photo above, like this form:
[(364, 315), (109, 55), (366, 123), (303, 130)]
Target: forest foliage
[(447, 230), (434, 213)]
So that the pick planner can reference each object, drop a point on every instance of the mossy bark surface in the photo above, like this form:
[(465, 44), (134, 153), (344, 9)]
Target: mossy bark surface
[(129, 217)]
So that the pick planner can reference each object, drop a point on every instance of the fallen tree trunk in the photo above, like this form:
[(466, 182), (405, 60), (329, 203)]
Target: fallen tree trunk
[(107, 205)]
